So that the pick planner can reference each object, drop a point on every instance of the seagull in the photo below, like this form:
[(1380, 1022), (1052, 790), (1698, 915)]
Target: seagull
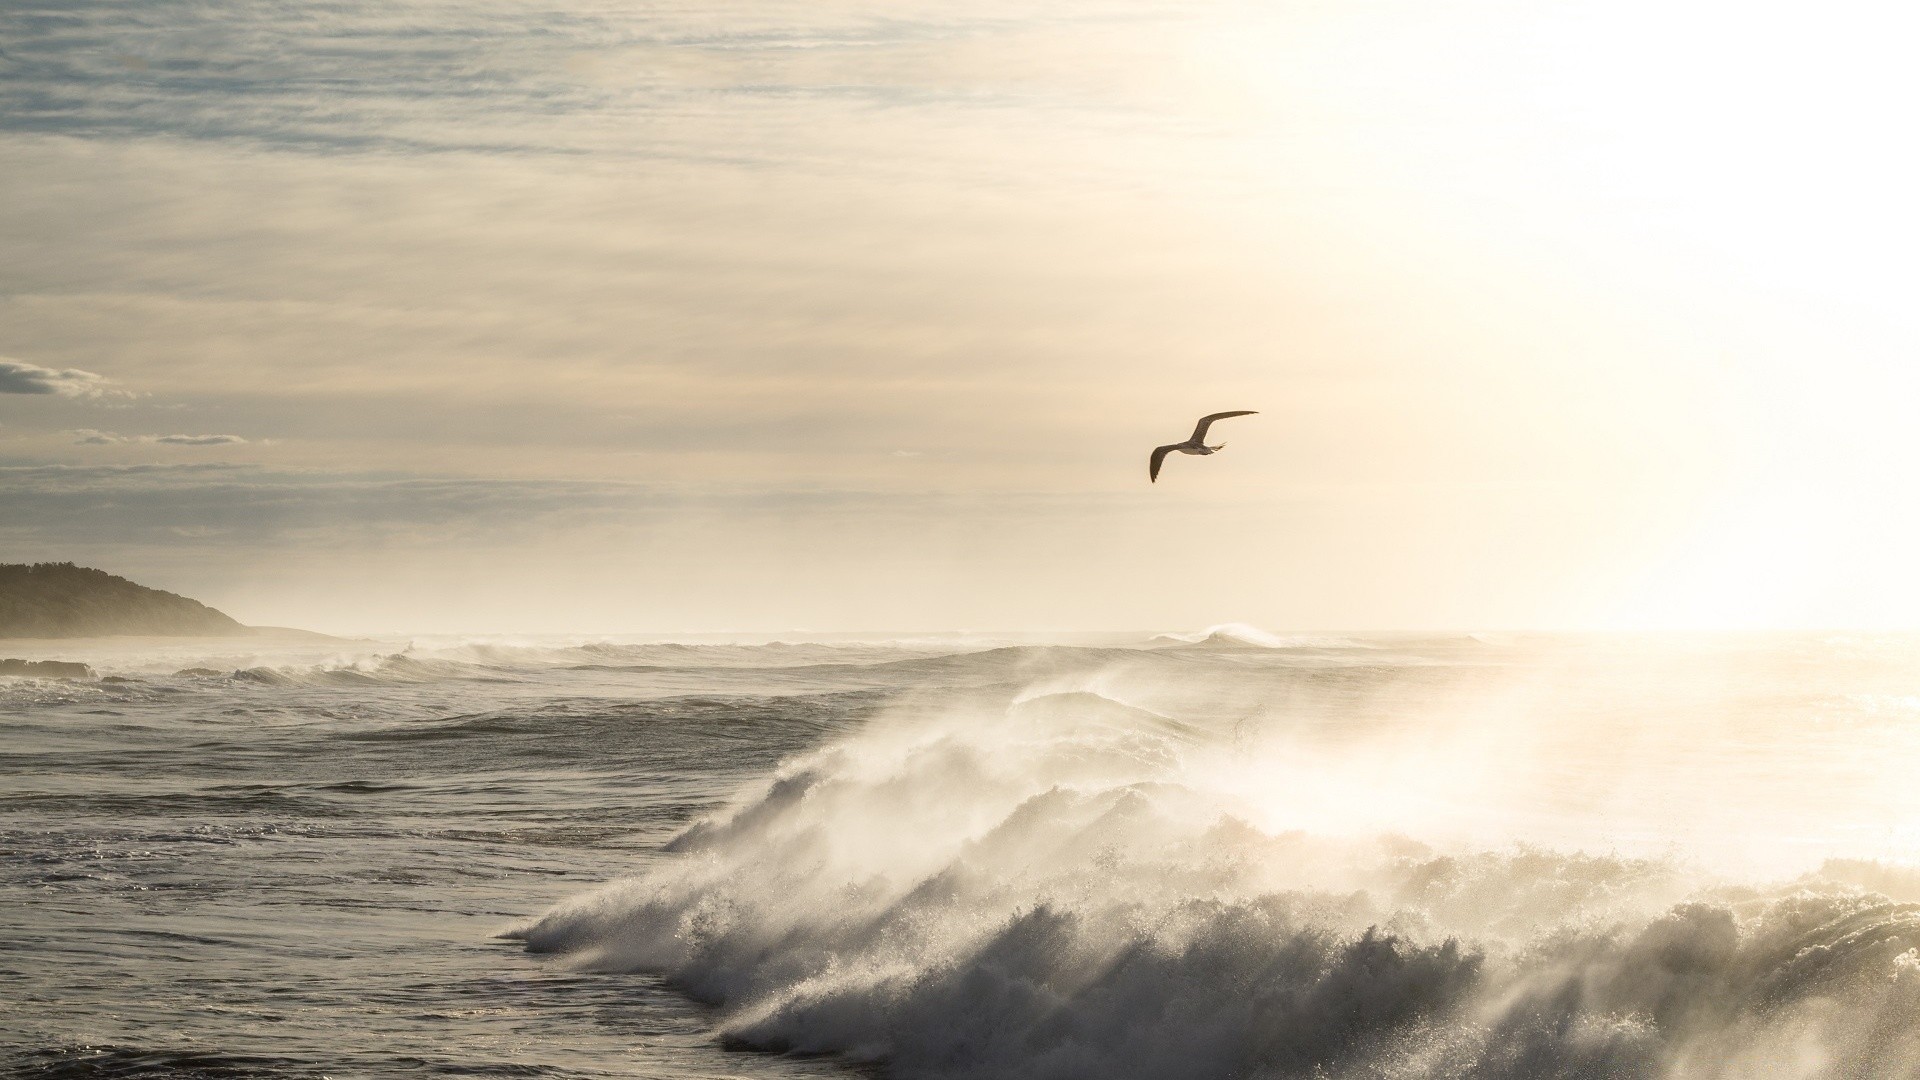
[(1194, 445)]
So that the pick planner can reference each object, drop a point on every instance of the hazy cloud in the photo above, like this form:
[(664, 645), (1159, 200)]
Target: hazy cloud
[(641, 553), (61, 503), (194, 440), (92, 437), (786, 304), (20, 377), (137, 504), (501, 77)]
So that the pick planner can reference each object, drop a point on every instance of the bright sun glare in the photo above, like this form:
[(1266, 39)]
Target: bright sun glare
[(1729, 184)]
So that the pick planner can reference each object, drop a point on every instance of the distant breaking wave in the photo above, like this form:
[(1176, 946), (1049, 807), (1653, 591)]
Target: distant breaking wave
[(394, 668), (1243, 636), (1065, 887), (1004, 664), (495, 662)]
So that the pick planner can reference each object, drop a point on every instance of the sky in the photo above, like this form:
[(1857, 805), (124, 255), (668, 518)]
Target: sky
[(486, 316)]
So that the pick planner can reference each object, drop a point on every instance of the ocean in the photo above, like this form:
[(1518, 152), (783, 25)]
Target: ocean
[(1219, 854)]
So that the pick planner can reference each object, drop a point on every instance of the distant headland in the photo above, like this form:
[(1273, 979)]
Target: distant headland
[(61, 600)]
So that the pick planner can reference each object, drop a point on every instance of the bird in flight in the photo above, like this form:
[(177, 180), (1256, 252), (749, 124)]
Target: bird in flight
[(1194, 445)]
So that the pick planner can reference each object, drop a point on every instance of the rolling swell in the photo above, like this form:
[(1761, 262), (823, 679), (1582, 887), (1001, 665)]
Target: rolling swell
[(683, 735), (89, 1062), (1061, 888)]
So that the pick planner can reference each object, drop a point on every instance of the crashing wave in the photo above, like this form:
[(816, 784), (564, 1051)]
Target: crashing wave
[(1059, 888), (390, 669)]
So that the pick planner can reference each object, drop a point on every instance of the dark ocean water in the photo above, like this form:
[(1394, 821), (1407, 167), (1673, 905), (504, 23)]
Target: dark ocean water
[(942, 857)]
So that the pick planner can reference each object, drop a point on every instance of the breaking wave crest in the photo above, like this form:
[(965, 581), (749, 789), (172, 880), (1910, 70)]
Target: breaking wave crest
[(394, 668), (1240, 635), (1059, 887), (491, 661)]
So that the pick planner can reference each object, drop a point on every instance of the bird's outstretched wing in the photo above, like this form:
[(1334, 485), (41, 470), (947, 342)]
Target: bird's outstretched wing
[(1200, 429), (1159, 455)]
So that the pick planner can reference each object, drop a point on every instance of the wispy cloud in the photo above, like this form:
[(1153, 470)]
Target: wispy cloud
[(138, 502), (500, 77), (20, 377), (92, 437), (193, 440), (60, 505)]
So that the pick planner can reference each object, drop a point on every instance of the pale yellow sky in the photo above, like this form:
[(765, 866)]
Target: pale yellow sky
[(581, 318)]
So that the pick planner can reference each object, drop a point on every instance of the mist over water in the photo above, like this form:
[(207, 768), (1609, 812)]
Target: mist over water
[(1201, 855)]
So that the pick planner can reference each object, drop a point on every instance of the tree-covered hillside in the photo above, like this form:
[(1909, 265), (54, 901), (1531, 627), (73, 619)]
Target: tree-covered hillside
[(57, 600)]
